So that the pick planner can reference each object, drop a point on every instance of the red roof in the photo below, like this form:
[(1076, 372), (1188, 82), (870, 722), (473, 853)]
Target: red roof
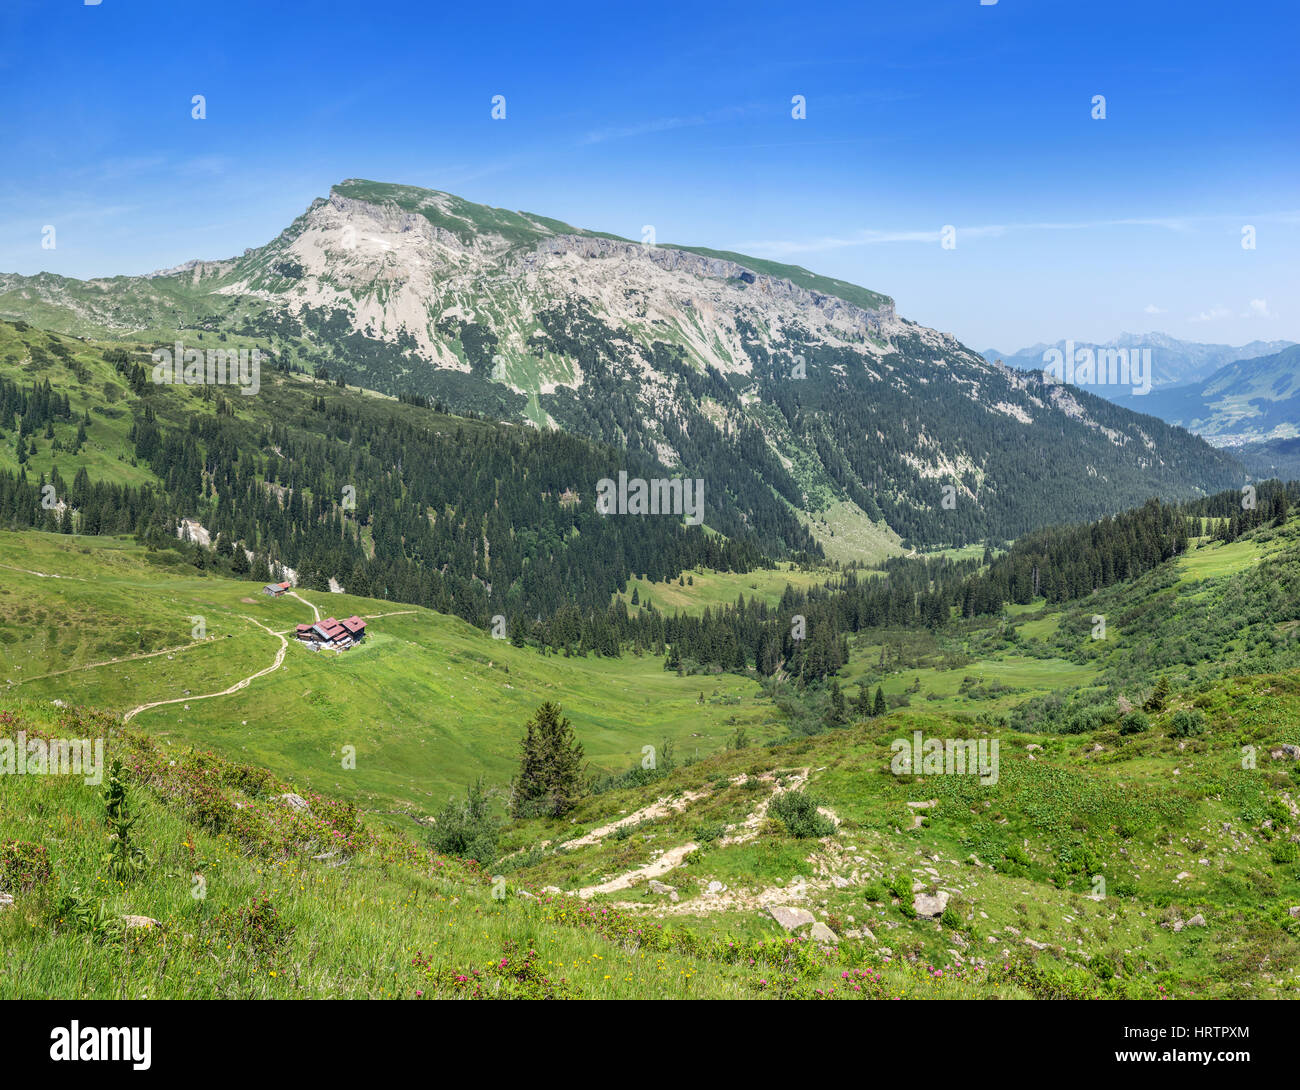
[(354, 625), (283, 586)]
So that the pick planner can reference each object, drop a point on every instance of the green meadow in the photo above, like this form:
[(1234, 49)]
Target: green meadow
[(427, 703)]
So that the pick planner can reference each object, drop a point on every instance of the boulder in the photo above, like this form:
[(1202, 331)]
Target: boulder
[(819, 932), (659, 887), (930, 906), (139, 921), (296, 802), (790, 918), (1196, 921)]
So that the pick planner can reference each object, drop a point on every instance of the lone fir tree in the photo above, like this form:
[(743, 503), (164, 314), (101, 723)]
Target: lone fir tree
[(550, 779)]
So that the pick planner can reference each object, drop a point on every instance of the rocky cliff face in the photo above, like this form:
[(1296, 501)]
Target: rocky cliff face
[(773, 380)]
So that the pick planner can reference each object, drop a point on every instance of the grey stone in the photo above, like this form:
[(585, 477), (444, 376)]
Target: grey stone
[(931, 905), (790, 918), (819, 932)]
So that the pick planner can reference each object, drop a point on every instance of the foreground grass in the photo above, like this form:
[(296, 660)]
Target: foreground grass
[(254, 899)]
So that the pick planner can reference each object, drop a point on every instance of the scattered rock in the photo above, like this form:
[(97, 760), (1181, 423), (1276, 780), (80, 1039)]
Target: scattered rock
[(819, 932), (1196, 921), (659, 887), (296, 802), (790, 918), (139, 921), (1036, 945), (525, 894), (1033, 746), (1285, 751), (1294, 912), (931, 905), (716, 887), (924, 805), (8, 899)]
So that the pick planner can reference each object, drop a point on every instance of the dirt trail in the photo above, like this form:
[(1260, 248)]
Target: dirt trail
[(295, 594), (659, 808), (111, 662), (750, 826), (243, 684), (673, 856), (43, 574), (666, 862)]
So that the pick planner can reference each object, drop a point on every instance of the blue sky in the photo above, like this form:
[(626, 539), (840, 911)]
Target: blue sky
[(919, 115)]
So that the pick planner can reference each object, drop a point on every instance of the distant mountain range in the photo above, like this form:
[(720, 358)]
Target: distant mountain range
[(1230, 395), (797, 398), (1174, 362), (1250, 400)]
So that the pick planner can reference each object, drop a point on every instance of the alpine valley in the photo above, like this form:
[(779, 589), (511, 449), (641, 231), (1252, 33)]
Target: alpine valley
[(965, 684)]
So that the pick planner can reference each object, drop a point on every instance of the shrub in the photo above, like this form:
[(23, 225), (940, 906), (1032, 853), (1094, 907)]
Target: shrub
[(1084, 720), (797, 810), (23, 866), (257, 927), (467, 829), (1187, 724), (1136, 722)]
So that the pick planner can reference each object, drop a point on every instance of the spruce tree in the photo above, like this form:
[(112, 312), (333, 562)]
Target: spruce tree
[(550, 779), (879, 708), (862, 705)]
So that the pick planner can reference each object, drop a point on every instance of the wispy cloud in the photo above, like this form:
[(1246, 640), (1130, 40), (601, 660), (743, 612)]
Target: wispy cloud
[(663, 124), (989, 230)]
